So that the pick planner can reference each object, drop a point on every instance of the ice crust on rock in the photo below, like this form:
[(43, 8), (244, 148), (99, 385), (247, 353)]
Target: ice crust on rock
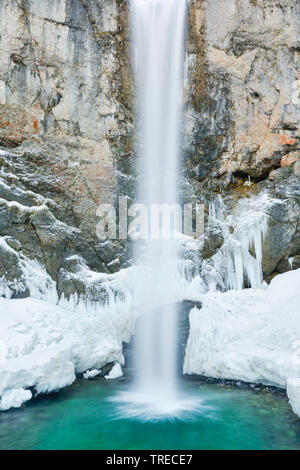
[(239, 260)]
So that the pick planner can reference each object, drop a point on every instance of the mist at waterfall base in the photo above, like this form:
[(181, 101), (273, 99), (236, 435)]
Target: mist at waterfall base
[(158, 31)]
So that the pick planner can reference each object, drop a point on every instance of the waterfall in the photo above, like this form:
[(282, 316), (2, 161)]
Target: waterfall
[(158, 41)]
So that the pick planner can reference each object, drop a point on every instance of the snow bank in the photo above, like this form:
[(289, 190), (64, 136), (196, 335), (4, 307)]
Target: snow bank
[(43, 345), (14, 398), (251, 335), (115, 373)]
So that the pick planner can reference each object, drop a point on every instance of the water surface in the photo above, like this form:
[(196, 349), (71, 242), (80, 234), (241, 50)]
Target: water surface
[(84, 416)]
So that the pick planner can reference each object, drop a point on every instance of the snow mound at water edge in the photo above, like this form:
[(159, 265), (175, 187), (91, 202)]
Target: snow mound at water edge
[(251, 335)]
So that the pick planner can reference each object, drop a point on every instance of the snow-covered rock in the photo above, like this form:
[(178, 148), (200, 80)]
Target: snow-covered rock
[(251, 335), (115, 373), (293, 392), (90, 374), (14, 398), (21, 276)]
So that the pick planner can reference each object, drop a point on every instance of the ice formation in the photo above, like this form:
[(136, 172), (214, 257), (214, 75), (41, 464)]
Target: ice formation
[(34, 278), (239, 260)]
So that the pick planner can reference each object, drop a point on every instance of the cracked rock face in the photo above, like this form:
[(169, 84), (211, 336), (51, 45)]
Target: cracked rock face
[(65, 92), (37, 216), (66, 85), (242, 86)]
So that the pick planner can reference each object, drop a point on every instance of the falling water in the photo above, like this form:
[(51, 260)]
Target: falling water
[(158, 41)]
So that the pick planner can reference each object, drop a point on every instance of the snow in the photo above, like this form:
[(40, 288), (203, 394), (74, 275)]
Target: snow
[(251, 335), (90, 374), (293, 392), (37, 201), (20, 208), (43, 345), (14, 398), (115, 373)]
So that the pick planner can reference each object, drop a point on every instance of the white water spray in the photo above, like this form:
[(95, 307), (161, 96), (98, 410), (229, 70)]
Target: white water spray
[(158, 41)]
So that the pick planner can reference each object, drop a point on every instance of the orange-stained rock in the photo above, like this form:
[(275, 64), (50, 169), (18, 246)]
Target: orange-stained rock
[(286, 140), (36, 125), (289, 159)]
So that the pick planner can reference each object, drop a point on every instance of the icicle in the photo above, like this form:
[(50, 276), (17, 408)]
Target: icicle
[(240, 258)]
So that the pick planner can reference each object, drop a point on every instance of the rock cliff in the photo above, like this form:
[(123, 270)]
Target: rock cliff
[(65, 95), (242, 82), (66, 119)]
